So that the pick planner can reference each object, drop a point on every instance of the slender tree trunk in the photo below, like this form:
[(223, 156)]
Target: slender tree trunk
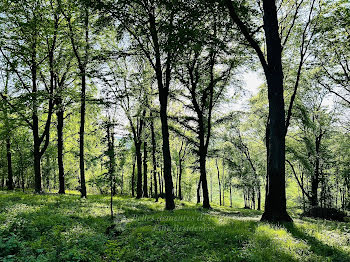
[(160, 179), (154, 159), (145, 186), (82, 134), (259, 197), (176, 180), (199, 190), (8, 139), (180, 176), (202, 162), (211, 187), (223, 182), (9, 164), (60, 119), (139, 169), (121, 185), (133, 178), (315, 178), (35, 128), (219, 181)]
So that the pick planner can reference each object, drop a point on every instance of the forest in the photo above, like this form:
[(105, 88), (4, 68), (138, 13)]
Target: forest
[(174, 130)]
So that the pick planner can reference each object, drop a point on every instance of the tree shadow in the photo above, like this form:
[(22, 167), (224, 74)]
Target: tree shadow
[(316, 246)]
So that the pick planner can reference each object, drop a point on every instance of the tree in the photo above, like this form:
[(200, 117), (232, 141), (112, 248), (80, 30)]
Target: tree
[(33, 66), (162, 24), (275, 203), (77, 16), (5, 109)]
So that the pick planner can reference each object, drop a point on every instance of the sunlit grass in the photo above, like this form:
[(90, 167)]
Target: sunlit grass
[(67, 228)]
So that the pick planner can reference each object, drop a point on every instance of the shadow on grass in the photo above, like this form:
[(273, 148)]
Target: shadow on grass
[(193, 235), (316, 246)]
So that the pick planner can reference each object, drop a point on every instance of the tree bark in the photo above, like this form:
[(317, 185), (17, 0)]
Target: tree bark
[(139, 169), (275, 209), (223, 182), (259, 198), (82, 134), (202, 160), (315, 178), (60, 119), (219, 181), (275, 203), (133, 179), (163, 100), (199, 190), (36, 153), (154, 159), (180, 177)]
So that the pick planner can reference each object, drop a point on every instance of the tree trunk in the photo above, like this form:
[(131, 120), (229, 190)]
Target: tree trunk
[(160, 179), (275, 208), (35, 129), (259, 198), (202, 163), (180, 176), (163, 88), (223, 182), (9, 164), (82, 134), (315, 178), (145, 186), (139, 169), (211, 187), (176, 180), (169, 196), (133, 179), (199, 190), (219, 181), (37, 156), (60, 119)]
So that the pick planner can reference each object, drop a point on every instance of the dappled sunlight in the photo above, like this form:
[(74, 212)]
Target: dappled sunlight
[(68, 228)]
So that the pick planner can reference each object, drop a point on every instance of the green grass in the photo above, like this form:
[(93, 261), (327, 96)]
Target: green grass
[(66, 228)]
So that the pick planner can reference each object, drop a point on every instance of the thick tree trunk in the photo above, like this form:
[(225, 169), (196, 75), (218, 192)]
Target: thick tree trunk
[(275, 208), (9, 164), (145, 185), (82, 134), (139, 169), (163, 88), (169, 195), (60, 119)]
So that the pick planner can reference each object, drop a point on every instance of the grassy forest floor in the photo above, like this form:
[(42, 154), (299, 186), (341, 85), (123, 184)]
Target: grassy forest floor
[(66, 228)]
